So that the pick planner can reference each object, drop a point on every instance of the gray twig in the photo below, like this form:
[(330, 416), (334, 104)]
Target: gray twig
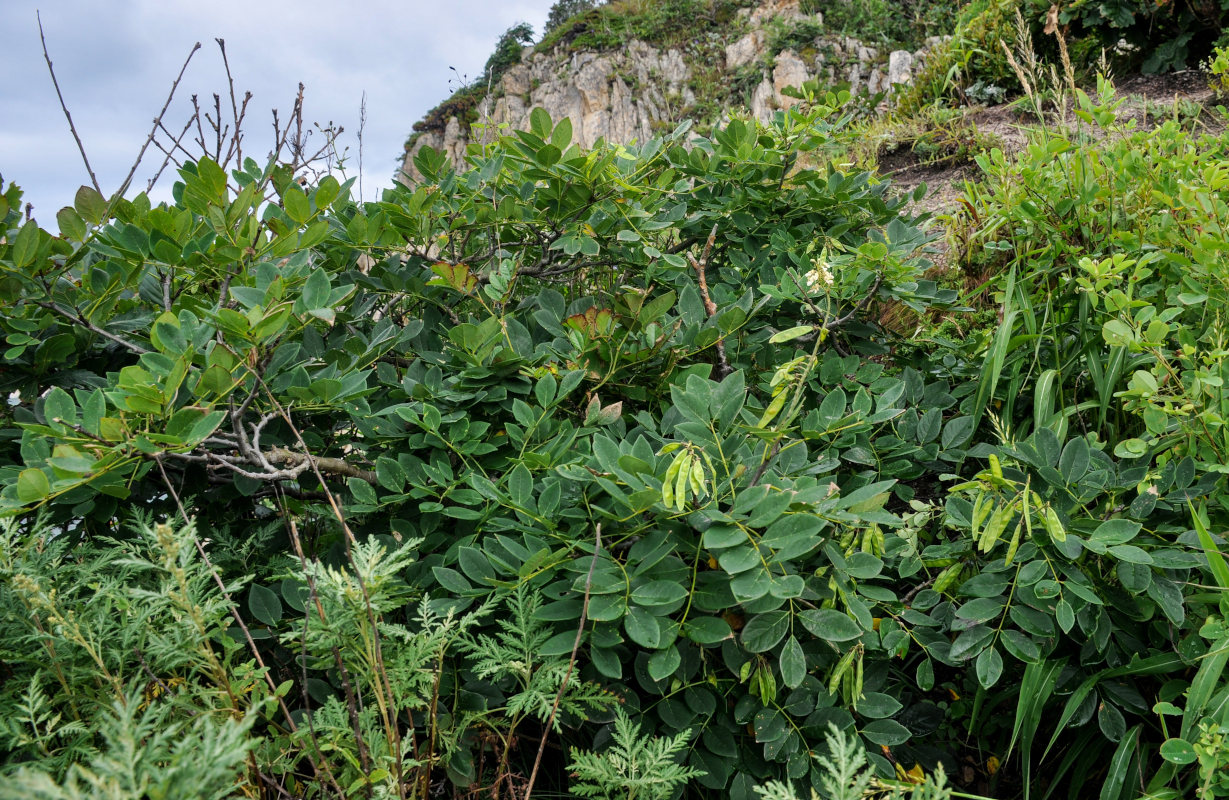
[(563, 685), (701, 268), (247, 634), (862, 304), (80, 320), (64, 106), (176, 144), (157, 121)]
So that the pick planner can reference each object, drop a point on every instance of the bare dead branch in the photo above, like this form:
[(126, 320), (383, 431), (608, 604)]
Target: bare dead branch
[(77, 319), (235, 465), (64, 107), (763, 467), (166, 291), (862, 304), (176, 144), (282, 136), (158, 120), (333, 466), (701, 268), (362, 124), (200, 130), (235, 146), (215, 122), (563, 685), (845, 318)]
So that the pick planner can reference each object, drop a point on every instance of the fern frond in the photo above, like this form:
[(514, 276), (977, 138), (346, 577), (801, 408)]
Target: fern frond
[(634, 766)]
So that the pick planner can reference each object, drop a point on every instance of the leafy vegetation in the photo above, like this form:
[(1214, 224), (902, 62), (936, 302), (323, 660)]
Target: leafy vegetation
[(463, 103), (1126, 35), (563, 10), (878, 22), (507, 52), (666, 24), (596, 472)]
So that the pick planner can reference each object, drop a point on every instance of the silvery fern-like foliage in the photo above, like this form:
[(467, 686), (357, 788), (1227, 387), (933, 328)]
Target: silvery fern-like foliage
[(513, 655), (86, 629), (353, 601), (415, 653), (147, 752), (778, 790), (847, 776), (31, 722), (372, 578), (634, 767)]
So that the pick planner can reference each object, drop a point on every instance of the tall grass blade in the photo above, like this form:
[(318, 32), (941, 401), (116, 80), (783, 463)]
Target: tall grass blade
[(998, 352), (1035, 689), (1216, 561), (1043, 399), (1116, 776)]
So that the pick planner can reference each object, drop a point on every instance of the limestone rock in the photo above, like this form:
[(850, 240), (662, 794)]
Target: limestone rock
[(770, 9), (626, 95), (763, 101), (900, 67), (516, 80), (788, 71), (747, 49)]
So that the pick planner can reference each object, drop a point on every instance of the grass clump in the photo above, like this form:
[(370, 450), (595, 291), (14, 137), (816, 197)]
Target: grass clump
[(665, 24)]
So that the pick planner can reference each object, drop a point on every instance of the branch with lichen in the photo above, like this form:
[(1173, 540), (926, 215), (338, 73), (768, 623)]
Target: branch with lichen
[(701, 268)]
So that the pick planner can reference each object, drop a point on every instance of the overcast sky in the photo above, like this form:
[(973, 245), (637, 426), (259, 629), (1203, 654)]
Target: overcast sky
[(116, 59)]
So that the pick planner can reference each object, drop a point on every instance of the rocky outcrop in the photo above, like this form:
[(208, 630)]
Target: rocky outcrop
[(629, 94)]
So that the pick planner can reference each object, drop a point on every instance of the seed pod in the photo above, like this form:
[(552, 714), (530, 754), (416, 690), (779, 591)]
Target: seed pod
[(842, 667), (774, 408), (684, 475), (947, 577), (768, 685), (1054, 525), (667, 484), (873, 541), (976, 518), (696, 478), (998, 524), (981, 510), (1014, 545), (857, 682)]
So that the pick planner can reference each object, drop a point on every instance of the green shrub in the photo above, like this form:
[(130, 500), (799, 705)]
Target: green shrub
[(969, 62), (1155, 37), (563, 10), (558, 429), (891, 24), (1217, 67), (1110, 347), (120, 681), (507, 53), (671, 23), (449, 393)]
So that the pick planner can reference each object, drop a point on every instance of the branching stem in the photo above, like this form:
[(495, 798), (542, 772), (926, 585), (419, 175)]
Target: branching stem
[(563, 685), (64, 106)]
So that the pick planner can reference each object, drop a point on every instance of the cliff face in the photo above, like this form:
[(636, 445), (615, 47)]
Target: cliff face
[(629, 94)]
